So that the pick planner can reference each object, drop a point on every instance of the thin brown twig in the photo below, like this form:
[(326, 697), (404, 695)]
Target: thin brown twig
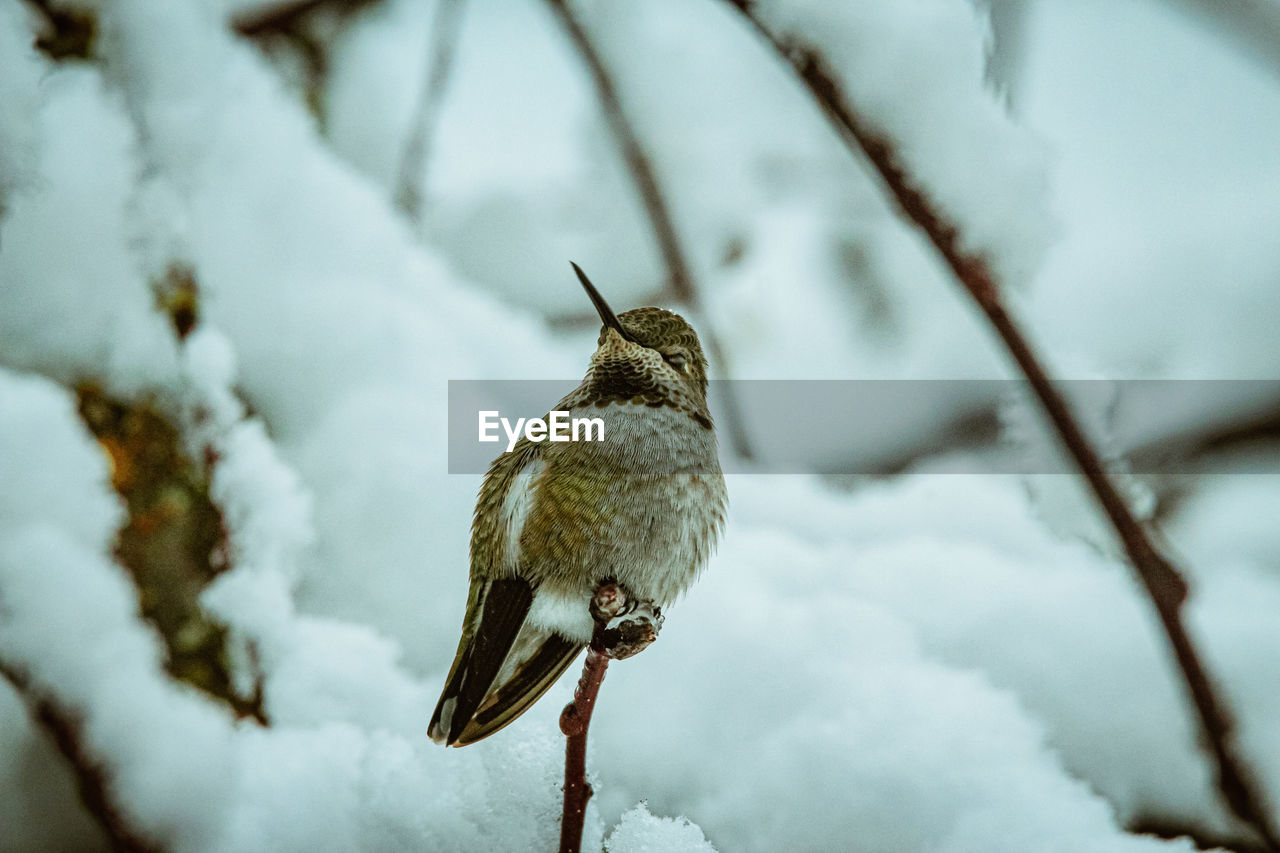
[(1164, 584), (417, 148), (575, 720), (680, 277), (624, 627), (92, 783), (634, 154)]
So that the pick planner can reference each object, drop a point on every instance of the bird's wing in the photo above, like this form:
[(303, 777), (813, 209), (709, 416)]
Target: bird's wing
[(537, 659), (502, 665), (495, 614)]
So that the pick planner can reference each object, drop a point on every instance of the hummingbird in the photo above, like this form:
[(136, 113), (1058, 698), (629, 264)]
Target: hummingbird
[(554, 522)]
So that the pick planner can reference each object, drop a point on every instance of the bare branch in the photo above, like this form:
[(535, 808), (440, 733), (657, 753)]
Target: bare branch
[(417, 148), (637, 159), (92, 782), (1165, 586), (680, 278), (624, 628), (575, 719)]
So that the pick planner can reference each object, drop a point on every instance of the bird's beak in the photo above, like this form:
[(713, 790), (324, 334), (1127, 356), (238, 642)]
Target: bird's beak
[(606, 313)]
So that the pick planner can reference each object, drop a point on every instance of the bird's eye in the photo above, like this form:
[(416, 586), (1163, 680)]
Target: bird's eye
[(678, 360)]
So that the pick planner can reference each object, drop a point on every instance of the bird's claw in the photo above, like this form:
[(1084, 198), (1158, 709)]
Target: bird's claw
[(625, 626), (609, 601)]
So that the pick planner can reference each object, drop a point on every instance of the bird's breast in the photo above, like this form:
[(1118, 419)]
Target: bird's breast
[(644, 505)]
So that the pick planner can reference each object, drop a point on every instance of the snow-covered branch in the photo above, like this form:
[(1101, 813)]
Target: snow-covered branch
[(925, 661), (973, 269), (93, 782)]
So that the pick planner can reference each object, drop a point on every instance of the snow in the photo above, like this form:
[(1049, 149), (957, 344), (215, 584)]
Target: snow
[(916, 71), (640, 831), (70, 624), (514, 201), (1167, 193), (19, 103), (929, 662), (72, 231)]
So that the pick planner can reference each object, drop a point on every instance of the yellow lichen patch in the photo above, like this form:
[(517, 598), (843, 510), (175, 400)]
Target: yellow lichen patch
[(173, 542)]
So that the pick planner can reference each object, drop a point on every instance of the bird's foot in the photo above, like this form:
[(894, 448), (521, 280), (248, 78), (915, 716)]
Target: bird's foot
[(609, 601), (625, 626)]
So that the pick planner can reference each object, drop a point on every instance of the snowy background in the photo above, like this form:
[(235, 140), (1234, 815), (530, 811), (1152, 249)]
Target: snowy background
[(216, 320)]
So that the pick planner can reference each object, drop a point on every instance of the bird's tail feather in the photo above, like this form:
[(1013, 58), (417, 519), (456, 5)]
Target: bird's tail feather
[(504, 664), (496, 616), (530, 678)]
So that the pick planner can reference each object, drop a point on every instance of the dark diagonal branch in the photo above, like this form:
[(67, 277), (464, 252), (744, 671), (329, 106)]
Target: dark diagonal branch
[(680, 277), (1164, 584), (92, 783), (417, 148)]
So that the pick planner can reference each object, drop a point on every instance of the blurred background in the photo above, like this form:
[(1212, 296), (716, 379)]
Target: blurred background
[(1150, 124), (245, 245)]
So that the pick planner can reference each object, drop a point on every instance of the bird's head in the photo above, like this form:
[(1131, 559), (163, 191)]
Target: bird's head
[(646, 355)]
